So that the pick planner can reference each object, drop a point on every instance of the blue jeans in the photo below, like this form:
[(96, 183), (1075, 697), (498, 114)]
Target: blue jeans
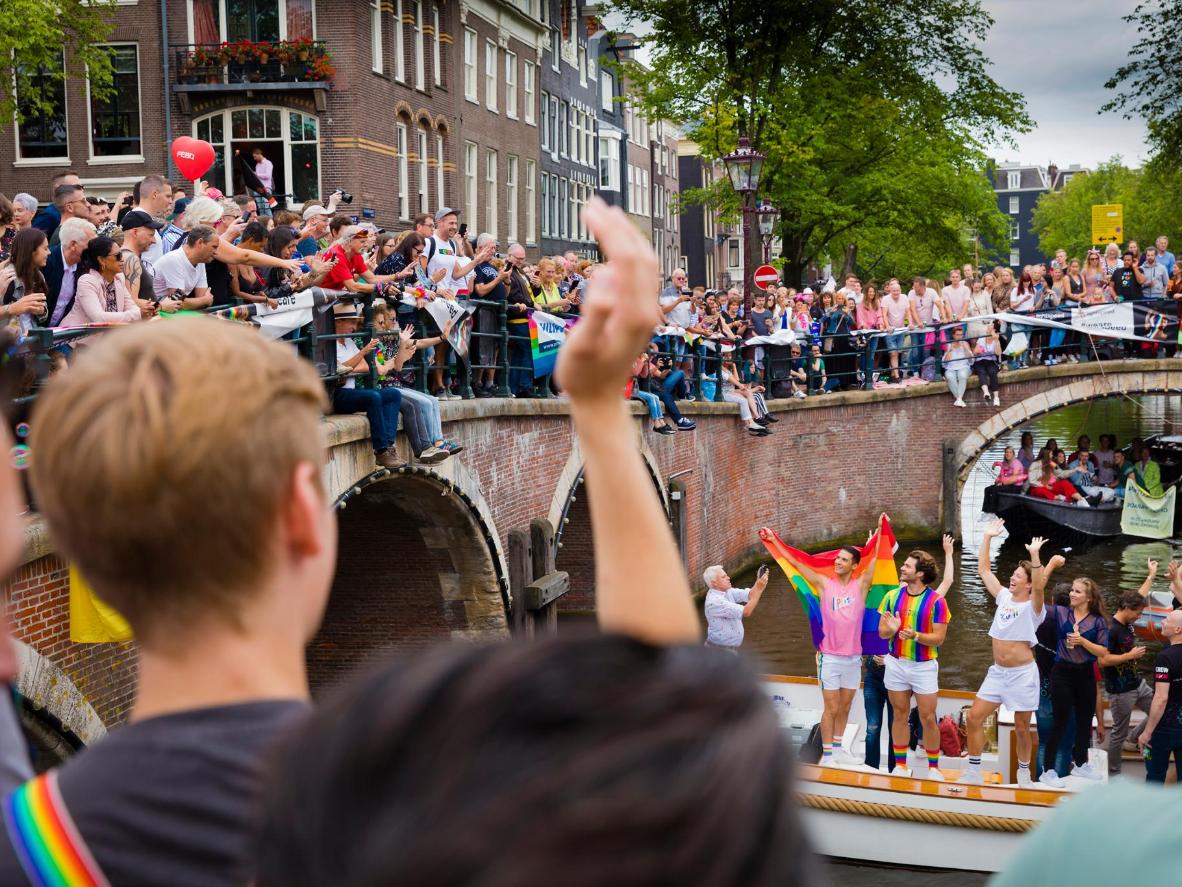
[(874, 697), (380, 405), (651, 401), (420, 415), (919, 351), (521, 361), (1162, 744), (1044, 719), (673, 384), (667, 397)]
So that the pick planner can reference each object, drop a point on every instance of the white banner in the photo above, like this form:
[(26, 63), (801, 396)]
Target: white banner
[(1150, 517), (459, 315)]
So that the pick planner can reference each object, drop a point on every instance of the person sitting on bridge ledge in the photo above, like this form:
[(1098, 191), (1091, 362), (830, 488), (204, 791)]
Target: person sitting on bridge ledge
[(217, 543), (381, 405), (604, 758)]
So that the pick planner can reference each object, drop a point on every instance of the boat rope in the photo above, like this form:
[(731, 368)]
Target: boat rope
[(917, 814)]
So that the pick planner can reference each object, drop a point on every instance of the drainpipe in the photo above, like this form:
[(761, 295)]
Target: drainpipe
[(167, 88)]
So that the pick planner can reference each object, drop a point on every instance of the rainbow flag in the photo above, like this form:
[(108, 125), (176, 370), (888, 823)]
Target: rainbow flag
[(885, 579), (45, 839), (92, 621)]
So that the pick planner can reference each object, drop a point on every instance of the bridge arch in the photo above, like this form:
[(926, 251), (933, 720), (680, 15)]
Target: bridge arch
[(56, 717), (418, 560)]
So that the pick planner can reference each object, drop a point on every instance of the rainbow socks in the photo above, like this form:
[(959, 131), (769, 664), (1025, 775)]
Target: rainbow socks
[(900, 753), (933, 759), (826, 752)]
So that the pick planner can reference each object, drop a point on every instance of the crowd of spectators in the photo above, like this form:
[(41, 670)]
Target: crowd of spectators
[(1086, 476)]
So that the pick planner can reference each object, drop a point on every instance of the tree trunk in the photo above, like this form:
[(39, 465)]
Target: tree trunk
[(847, 265)]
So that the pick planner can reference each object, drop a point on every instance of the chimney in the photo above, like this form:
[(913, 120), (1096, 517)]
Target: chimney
[(1052, 174)]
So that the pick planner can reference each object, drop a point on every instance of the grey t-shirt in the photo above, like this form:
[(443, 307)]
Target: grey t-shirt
[(170, 800)]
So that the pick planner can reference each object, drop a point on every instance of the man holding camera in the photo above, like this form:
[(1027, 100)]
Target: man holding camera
[(676, 306), (726, 607)]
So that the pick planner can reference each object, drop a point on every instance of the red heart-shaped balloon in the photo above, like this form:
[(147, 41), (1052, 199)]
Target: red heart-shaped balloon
[(192, 157)]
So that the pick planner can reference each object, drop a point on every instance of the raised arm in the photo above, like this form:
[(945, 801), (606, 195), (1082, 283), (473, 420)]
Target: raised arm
[(1037, 590), (756, 593), (640, 582), (984, 565), (811, 576), (1174, 571), (868, 574), (1151, 564), (949, 566), (1043, 577)]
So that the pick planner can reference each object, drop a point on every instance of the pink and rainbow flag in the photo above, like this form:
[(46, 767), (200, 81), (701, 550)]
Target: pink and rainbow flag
[(885, 579)]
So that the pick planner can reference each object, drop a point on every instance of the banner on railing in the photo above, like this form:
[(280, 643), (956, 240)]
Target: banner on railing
[(458, 313), (546, 335), (292, 312), (1150, 517), (1153, 321)]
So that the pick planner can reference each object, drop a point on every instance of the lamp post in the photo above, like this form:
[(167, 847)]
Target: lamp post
[(744, 166), (767, 226)]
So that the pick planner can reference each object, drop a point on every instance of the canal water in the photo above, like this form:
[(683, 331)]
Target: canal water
[(778, 634)]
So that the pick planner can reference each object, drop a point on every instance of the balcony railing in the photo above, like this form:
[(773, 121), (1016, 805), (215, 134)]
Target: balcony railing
[(245, 63)]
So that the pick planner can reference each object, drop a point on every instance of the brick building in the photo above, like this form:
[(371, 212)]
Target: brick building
[(1018, 187), (706, 252), (666, 227)]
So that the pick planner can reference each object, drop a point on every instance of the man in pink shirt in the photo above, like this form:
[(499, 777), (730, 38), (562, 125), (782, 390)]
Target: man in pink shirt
[(895, 311), (839, 663)]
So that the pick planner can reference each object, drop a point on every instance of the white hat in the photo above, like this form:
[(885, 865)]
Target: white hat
[(807, 291), (314, 210)]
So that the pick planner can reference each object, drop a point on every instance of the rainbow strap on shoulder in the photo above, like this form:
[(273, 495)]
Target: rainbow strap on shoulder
[(43, 834)]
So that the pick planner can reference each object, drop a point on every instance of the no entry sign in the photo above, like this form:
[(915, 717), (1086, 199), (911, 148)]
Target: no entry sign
[(765, 276)]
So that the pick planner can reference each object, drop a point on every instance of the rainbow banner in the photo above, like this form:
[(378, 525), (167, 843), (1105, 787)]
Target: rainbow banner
[(45, 839), (546, 335), (878, 552)]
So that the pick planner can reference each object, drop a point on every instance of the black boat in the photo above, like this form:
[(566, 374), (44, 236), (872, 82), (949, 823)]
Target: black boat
[(1063, 521), (1166, 451)]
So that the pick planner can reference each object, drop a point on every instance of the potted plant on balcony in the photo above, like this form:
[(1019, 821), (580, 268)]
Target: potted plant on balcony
[(320, 68)]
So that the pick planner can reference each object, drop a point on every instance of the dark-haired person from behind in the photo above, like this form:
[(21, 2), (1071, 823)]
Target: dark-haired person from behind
[(634, 757)]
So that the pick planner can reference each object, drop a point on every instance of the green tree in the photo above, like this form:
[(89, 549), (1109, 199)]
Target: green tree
[(33, 35), (874, 117), (1152, 201)]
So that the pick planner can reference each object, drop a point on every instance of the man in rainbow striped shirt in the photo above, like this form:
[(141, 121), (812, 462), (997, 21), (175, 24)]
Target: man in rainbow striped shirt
[(915, 620)]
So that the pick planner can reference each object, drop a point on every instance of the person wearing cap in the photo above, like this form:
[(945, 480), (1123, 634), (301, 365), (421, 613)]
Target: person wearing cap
[(444, 251), (381, 405), (351, 265), (139, 233), (314, 230)]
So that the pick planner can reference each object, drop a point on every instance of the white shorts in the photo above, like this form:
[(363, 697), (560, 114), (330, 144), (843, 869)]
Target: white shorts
[(839, 672), (1015, 687), (921, 678)]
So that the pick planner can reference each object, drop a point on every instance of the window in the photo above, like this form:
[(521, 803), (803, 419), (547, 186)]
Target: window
[(732, 253), (424, 173), (490, 75), (291, 141), (564, 146), (1068, 177), (609, 164), (43, 134), (631, 190), (553, 46), (576, 134), (399, 49), (420, 56), (562, 208), (545, 205), (545, 121), (470, 181), (644, 192), (1013, 180), (1013, 206), (437, 58), (554, 225), (260, 21), (1014, 229), (403, 172), (531, 231), (439, 171), (375, 35), (582, 65), (1015, 259), (554, 127), (511, 84), (490, 193), (115, 121), (470, 65), (511, 197), (607, 89), (589, 142), (527, 86)]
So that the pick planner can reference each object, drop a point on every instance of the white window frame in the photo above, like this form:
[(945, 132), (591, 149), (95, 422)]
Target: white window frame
[(563, 203), (511, 166), (375, 36), (92, 159), (471, 158), (490, 75), (527, 88), (1014, 207), (424, 163), (491, 159), (1015, 229), (50, 161), (607, 89), (564, 129), (510, 84), (420, 50), (1015, 258), (545, 204), (399, 47), (582, 52), (401, 147), (1013, 180), (531, 231), (437, 59), (545, 121), (222, 20), (439, 177), (471, 84)]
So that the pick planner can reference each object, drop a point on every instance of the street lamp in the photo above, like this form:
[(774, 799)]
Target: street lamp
[(744, 166), (767, 225)]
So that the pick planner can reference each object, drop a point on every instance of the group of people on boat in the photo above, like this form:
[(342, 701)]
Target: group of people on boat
[(1047, 657), (1085, 477)]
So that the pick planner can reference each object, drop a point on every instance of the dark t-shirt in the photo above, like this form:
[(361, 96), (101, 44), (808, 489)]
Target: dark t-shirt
[(217, 275), (1047, 635), (1124, 281), (760, 321), (1123, 677), (486, 273), (169, 800), (1167, 669)]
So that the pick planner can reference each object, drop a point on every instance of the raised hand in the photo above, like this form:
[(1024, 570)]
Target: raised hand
[(1172, 570), (949, 542), (1056, 562), (1151, 564), (995, 528), (1035, 545)]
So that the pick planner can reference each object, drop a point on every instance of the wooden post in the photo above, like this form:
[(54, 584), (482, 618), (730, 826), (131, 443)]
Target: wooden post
[(541, 537), (520, 575)]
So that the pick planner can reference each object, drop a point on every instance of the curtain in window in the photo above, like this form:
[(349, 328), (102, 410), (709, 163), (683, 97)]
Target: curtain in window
[(205, 21), (299, 19)]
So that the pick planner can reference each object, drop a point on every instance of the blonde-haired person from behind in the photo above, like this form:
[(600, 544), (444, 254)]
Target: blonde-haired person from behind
[(220, 561)]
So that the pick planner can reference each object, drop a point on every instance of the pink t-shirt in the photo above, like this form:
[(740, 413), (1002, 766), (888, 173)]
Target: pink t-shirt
[(896, 312), (842, 606)]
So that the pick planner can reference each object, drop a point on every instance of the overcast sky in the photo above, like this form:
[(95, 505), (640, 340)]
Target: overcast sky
[(1058, 53)]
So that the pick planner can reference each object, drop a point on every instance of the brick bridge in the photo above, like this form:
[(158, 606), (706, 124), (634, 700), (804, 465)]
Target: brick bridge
[(423, 553)]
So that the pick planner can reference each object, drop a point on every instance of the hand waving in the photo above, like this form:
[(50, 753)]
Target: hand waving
[(596, 360), (995, 528), (1035, 545), (949, 542)]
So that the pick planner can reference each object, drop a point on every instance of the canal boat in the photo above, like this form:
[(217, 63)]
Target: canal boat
[(1148, 626), (1166, 451), (1063, 521), (869, 817)]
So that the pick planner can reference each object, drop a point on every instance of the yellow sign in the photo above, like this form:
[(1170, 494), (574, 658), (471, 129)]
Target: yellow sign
[(1108, 223)]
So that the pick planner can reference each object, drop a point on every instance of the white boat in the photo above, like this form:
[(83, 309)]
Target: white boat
[(862, 815)]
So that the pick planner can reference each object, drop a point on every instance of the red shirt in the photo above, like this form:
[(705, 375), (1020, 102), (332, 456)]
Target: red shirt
[(344, 270)]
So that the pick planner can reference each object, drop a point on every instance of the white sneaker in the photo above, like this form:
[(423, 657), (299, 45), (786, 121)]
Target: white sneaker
[(843, 757), (958, 403), (996, 400), (1083, 503), (1024, 777), (935, 775), (902, 771), (1085, 771), (971, 777), (1051, 778)]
